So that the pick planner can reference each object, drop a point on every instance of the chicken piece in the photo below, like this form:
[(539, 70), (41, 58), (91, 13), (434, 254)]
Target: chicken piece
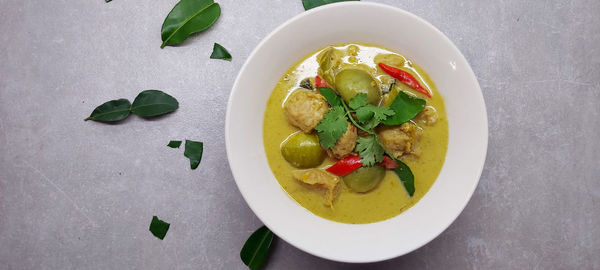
[(305, 109), (345, 144), (428, 116), (401, 140), (319, 179)]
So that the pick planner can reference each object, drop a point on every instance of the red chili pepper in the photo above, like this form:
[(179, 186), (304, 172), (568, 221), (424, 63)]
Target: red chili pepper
[(389, 163), (345, 166), (320, 82), (405, 78)]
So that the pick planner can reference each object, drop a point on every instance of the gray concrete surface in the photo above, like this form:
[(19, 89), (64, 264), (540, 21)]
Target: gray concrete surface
[(80, 195)]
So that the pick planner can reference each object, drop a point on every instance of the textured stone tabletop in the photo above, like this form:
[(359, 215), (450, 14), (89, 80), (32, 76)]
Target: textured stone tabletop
[(80, 195)]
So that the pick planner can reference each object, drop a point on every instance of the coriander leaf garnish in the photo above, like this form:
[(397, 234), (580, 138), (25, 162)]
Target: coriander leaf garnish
[(332, 127), (349, 114), (174, 144), (334, 124), (186, 18), (369, 115), (358, 101), (159, 228), (111, 111), (219, 52), (255, 250), (364, 115), (193, 151), (370, 150)]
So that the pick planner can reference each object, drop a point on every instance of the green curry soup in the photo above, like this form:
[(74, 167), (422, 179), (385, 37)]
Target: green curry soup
[(309, 147)]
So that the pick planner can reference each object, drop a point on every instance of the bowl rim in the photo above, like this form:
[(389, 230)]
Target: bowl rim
[(479, 97)]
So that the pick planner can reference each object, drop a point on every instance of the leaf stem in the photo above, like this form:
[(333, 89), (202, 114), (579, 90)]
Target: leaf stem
[(353, 121)]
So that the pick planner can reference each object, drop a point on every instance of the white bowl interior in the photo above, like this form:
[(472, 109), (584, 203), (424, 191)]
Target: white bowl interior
[(367, 23)]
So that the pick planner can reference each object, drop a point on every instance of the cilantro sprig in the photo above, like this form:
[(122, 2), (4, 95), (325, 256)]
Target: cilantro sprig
[(368, 116)]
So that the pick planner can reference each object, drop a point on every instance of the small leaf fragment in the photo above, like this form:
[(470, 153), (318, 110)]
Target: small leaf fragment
[(174, 144), (406, 176), (193, 151), (219, 52), (111, 111), (159, 228), (308, 4), (255, 250), (188, 17), (151, 103)]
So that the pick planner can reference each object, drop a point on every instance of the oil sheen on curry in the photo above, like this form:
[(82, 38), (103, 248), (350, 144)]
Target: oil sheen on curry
[(355, 133)]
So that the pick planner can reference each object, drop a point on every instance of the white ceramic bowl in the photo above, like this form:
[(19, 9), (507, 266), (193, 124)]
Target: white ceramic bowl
[(368, 23)]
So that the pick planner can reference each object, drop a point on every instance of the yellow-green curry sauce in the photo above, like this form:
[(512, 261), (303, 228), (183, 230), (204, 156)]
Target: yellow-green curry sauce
[(389, 198)]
